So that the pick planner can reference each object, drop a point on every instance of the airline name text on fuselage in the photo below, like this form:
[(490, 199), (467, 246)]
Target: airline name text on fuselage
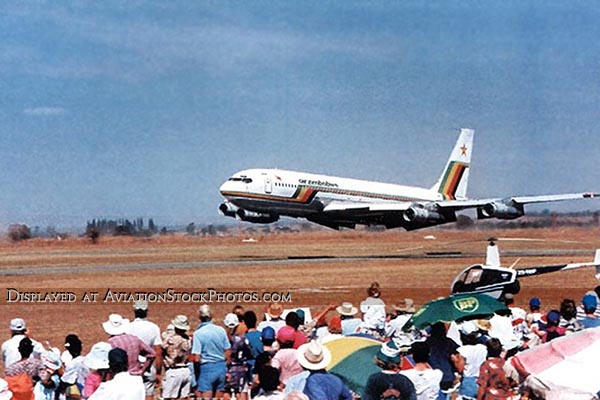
[(317, 183)]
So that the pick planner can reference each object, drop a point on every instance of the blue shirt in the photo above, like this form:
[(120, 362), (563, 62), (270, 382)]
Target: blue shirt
[(321, 385), (590, 322), (296, 382), (256, 346), (210, 341)]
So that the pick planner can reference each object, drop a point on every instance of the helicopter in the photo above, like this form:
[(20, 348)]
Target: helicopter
[(497, 281)]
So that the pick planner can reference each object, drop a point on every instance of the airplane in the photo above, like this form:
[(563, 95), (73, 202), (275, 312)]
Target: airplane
[(496, 281), (264, 195)]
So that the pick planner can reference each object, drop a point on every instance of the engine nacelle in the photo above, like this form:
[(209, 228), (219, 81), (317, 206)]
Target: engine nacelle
[(255, 217), (419, 215), (501, 210), (227, 209)]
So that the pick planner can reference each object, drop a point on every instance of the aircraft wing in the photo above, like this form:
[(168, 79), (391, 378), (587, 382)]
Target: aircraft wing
[(553, 197), (415, 215), (516, 200)]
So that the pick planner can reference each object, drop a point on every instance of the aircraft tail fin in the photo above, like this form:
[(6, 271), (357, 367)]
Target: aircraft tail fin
[(452, 184)]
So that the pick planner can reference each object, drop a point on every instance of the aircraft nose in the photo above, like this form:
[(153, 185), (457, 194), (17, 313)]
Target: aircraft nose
[(224, 187)]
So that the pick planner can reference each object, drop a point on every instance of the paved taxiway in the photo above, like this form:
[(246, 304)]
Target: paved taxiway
[(32, 271)]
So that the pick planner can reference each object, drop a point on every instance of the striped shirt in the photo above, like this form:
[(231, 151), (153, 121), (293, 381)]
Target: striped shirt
[(134, 347)]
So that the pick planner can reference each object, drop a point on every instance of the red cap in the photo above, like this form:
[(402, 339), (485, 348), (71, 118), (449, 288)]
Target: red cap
[(286, 334)]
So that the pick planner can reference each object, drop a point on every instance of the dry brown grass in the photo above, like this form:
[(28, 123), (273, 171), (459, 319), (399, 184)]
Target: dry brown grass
[(311, 283)]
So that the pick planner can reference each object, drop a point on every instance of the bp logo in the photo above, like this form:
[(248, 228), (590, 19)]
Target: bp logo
[(466, 304)]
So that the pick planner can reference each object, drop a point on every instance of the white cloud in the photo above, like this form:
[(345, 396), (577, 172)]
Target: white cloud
[(44, 111)]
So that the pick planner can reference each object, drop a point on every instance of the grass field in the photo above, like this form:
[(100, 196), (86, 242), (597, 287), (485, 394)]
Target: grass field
[(286, 265)]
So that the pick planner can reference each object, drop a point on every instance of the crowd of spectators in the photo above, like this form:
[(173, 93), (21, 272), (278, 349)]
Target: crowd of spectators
[(284, 355)]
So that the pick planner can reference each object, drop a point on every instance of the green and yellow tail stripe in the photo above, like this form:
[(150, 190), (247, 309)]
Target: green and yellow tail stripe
[(451, 179)]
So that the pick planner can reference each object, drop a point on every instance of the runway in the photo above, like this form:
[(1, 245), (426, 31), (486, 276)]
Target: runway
[(258, 261)]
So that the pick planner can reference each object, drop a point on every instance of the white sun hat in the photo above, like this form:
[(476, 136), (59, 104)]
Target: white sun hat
[(116, 325), (313, 356)]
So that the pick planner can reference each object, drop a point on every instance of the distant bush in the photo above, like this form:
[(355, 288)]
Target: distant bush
[(18, 232)]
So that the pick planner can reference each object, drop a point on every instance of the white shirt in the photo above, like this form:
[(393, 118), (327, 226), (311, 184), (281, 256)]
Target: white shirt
[(75, 371), (275, 324), (427, 382), (350, 326), (475, 355), (10, 349), (146, 330), (122, 387)]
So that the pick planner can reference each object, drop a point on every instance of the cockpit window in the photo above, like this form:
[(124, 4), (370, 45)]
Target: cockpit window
[(247, 180)]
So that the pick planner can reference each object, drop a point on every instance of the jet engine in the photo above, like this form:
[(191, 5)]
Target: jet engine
[(255, 217), (419, 215), (227, 209), (505, 209)]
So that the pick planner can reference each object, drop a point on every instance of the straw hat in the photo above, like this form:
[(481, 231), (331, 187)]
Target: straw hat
[(116, 325), (181, 322), (275, 310), (409, 306), (347, 309), (313, 356)]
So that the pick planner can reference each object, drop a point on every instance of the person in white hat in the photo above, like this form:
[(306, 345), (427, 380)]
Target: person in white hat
[(149, 333), (122, 385), (388, 382), (237, 370), (176, 347), (320, 384), (350, 323), (97, 361), (273, 318), (469, 358), (46, 388), (116, 328), (10, 348)]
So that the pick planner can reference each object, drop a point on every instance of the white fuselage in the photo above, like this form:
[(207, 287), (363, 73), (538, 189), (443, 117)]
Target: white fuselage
[(299, 194)]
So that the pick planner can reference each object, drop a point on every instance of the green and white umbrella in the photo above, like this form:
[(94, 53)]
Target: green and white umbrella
[(455, 308)]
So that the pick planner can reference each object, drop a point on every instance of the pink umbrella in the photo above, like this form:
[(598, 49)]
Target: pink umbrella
[(568, 364)]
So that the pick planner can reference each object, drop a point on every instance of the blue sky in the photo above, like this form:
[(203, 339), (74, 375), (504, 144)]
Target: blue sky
[(141, 109)]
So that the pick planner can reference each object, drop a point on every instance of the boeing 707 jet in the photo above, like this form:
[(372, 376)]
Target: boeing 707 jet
[(265, 195)]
